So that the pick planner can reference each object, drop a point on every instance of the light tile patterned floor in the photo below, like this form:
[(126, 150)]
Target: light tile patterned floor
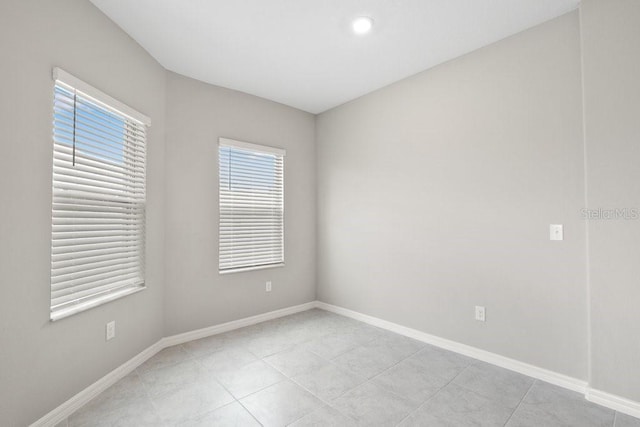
[(319, 369)]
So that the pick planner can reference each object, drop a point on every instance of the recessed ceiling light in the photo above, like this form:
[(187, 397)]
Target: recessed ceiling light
[(362, 25)]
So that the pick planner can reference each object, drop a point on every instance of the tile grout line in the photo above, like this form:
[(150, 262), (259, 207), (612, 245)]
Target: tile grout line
[(370, 380), (237, 400), (367, 380), (248, 411), (342, 332), (259, 390), (397, 363), (325, 402), (330, 363), (478, 393), (434, 394), (520, 403)]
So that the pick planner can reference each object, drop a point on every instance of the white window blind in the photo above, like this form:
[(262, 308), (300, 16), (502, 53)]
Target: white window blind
[(251, 206), (98, 213)]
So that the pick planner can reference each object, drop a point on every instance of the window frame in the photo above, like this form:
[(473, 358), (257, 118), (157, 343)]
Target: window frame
[(98, 103), (258, 149)]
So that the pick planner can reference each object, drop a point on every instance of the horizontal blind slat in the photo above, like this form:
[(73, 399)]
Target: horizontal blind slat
[(84, 193), (78, 257), (76, 250), (94, 266), (58, 263), (85, 277)]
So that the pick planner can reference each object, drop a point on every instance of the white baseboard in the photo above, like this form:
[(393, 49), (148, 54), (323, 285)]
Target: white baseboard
[(76, 402), (612, 401), (235, 324), (466, 350)]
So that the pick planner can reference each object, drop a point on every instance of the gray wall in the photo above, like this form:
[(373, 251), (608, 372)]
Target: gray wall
[(435, 194), (611, 51), (42, 364), (197, 115)]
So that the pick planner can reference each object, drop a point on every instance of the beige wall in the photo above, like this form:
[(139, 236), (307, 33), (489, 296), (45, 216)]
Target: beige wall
[(42, 364), (435, 194), (611, 51), (197, 115)]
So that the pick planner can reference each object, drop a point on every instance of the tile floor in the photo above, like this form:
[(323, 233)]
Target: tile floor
[(319, 369)]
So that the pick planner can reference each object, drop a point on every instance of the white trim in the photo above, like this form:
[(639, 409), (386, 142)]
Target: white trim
[(227, 142), (242, 269), (74, 309), (72, 81), (495, 359), (236, 324), (585, 180), (76, 402), (613, 401)]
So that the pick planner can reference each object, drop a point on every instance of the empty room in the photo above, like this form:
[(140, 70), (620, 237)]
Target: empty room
[(320, 213)]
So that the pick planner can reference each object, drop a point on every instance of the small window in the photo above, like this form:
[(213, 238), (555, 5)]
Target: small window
[(251, 206), (98, 211)]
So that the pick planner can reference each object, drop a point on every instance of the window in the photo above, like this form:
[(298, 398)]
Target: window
[(251, 206), (98, 210)]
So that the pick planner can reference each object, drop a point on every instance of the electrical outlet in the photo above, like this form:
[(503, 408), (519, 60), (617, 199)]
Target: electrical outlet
[(480, 313), (111, 330), (555, 232), (268, 286)]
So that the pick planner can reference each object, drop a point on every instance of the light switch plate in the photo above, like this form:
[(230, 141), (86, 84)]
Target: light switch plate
[(555, 232)]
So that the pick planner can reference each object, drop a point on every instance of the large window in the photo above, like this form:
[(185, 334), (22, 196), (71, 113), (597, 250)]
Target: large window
[(98, 212), (251, 206)]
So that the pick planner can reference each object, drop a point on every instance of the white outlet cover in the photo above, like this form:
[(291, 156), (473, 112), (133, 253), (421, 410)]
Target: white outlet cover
[(480, 313), (111, 330), (556, 232)]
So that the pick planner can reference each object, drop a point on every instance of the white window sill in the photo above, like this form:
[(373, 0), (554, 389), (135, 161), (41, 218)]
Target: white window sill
[(70, 311), (258, 267)]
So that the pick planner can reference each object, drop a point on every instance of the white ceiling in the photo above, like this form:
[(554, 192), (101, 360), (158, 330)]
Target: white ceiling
[(303, 53)]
